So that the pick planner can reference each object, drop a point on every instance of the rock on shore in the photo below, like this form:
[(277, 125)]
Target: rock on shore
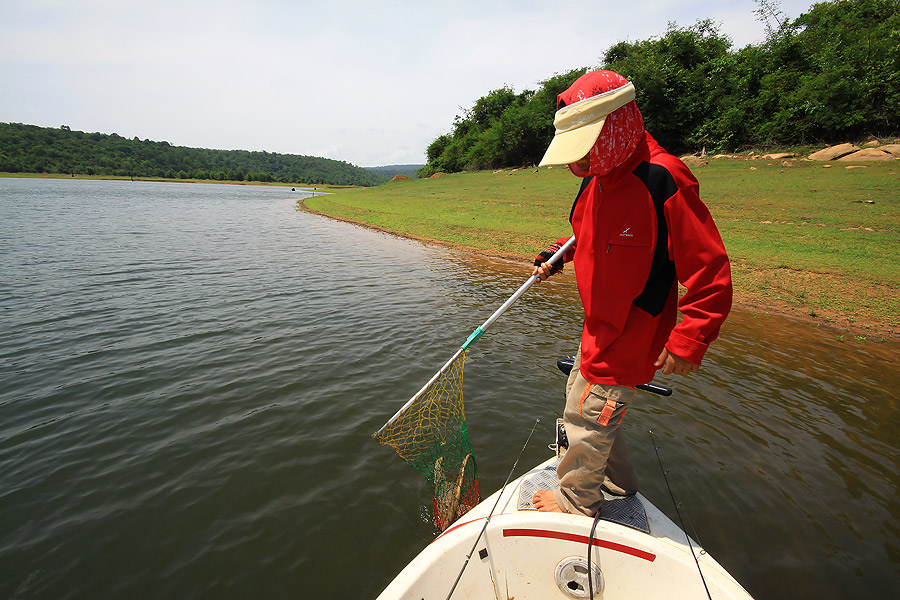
[(850, 153), (867, 154)]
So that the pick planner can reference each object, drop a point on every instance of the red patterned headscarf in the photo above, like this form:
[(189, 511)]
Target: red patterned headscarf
[(623, 129)]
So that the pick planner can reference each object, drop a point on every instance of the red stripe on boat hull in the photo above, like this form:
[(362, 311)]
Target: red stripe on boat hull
[(581, 539)]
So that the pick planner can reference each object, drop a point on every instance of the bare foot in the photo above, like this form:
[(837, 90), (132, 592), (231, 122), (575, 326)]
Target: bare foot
[(544, 501)]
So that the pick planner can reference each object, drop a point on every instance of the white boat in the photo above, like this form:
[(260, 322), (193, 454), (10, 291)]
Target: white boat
[(504, 548)]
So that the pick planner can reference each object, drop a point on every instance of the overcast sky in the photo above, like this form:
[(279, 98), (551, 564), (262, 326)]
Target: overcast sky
[(367, 82)]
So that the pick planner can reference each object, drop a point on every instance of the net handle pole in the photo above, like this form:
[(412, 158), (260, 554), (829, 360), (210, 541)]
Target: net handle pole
[(517, 294), (479, 332), (530, 282)]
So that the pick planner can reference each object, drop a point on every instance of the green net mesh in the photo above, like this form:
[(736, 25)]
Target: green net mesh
[(431, 436)]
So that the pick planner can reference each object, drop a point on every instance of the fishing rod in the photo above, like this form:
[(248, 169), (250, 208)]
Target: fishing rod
[(490, 514), (567, 363), (678, 512)]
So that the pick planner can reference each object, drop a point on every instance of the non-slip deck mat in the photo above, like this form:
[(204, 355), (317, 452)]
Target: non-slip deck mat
[(625, 510)]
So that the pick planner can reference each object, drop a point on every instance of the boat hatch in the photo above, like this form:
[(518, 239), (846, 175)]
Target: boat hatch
[(572, 577)]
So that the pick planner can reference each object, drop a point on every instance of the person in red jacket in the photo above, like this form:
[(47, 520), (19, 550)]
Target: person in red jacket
[(640, 229)]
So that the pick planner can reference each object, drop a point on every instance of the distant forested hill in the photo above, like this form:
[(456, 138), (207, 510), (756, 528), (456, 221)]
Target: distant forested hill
[(389, 171), (33, 149)]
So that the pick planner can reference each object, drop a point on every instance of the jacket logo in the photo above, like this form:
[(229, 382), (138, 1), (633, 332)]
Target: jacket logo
[(625, 233)]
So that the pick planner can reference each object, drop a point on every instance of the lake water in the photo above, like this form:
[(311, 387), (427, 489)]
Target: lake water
[(190, 376)]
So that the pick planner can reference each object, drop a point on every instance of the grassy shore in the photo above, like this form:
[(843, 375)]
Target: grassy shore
[(817, 240)]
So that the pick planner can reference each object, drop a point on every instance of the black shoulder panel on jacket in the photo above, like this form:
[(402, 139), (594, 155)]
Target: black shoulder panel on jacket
[(584, 183), (662, 186)]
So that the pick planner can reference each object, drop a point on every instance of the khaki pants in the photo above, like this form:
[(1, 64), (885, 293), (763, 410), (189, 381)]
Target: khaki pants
[(597, 454)]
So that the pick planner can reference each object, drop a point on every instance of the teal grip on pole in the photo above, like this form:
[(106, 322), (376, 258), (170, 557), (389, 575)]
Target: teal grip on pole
[(472, 338)]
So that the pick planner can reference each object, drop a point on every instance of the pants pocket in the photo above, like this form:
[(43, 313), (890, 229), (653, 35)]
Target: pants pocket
[(599, 405)]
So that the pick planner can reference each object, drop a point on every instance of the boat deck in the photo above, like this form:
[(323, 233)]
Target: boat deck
[(624, 510), (504, 548)]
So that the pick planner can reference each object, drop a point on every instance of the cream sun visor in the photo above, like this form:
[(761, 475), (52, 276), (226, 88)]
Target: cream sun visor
[(578, 125), (591, 109)]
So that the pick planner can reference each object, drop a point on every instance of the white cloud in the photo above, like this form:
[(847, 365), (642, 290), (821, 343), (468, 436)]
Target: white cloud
[(369, 83)]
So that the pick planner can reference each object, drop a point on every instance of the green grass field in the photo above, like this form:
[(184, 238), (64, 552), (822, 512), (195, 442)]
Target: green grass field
[(817, 241)]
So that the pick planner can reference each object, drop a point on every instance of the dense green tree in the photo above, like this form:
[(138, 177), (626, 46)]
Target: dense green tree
[(677, 76), (501, 129), (830, 75), (849, 52)]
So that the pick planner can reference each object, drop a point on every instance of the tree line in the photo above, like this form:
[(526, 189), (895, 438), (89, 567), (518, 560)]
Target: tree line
[(33, 149), (830, 75)]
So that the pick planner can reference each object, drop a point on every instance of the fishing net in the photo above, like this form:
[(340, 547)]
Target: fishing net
[(431, 435)]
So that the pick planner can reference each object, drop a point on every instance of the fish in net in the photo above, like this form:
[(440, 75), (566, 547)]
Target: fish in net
[(430, 434)]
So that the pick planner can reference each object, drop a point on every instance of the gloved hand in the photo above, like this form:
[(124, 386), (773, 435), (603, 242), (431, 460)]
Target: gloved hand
[(545, 255)]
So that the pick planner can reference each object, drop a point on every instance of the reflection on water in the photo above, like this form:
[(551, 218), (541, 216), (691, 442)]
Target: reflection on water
[(190, 376)]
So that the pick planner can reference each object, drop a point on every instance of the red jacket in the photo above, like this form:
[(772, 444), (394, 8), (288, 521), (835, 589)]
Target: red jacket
[(638, 229)]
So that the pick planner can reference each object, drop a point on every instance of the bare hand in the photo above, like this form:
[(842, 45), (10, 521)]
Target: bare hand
[(671, 363), (543, 271)]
